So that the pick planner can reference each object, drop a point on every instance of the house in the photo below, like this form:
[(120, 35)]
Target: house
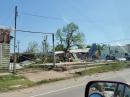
[(4, 48), (72, 55)]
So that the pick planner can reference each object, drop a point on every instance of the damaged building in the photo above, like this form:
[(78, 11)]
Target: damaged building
[(4, 48)]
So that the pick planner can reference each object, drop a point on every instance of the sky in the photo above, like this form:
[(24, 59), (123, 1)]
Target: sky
[(100, 20)]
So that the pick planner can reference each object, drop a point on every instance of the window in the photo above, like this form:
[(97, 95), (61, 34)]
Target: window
[(127, 92), (120, 91)]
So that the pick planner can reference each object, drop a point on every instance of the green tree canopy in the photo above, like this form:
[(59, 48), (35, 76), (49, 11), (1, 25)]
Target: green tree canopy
[(70, 36), (59, 47)]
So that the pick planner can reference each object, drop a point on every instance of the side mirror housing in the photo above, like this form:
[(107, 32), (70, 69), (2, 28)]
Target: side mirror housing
[(107, 89)]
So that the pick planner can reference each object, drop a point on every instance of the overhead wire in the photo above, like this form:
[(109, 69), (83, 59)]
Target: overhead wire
[(41, 16), (115, 41)]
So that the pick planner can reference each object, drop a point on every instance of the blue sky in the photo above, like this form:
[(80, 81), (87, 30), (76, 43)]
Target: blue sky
[(99, 20)]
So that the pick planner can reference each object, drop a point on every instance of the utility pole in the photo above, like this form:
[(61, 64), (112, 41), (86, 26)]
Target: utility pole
[(45, 45), (15, 26), (45, 49), (109, 51), (53, 39), (18, 47)]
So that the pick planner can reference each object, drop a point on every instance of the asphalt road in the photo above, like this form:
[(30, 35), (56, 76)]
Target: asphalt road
[(79, 90), (69, 88)]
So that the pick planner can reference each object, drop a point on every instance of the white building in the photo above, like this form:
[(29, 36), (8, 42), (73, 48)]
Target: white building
[(117, 51)]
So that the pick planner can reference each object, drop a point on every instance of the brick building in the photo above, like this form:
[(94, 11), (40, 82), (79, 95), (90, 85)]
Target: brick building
[(4, 48)]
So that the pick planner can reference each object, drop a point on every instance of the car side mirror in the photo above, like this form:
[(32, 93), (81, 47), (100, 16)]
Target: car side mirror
[(107, 89)]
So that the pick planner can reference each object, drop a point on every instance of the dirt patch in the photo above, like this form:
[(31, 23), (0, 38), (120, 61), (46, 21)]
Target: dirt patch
[(39, 75), (44, 75), (2, 74)]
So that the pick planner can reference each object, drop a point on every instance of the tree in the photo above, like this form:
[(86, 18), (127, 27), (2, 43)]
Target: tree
[(88, 46), (59, 47), (70, 36), (59, 35), (100, 48), (32, 47)]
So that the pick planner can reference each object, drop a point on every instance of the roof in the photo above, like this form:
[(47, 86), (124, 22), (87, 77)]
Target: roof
[(6, 28), (75, 51), (59, 52), (80, 50)]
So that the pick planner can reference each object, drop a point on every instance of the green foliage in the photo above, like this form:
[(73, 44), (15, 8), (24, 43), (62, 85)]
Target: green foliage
[(50, 59), (104, 68), (69, 36), (88, 46), (59, 47), (100, 47), (59, 36), (10, 82)]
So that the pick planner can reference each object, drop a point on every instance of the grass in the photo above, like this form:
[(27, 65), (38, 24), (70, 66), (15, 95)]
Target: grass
[(104, 68), (34, 66), (38, 67), (50, 80), (11, 82)]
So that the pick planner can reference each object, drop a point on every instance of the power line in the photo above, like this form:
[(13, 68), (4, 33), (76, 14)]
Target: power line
[(28, 31), (41, 16), (115, 41), (36, 32), (53, 39)]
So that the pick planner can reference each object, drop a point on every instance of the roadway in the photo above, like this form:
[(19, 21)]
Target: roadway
[(68, 88)]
